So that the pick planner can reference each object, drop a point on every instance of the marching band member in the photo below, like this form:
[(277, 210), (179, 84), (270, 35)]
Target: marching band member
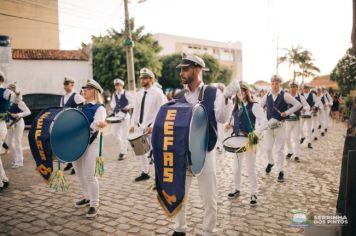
[(146, 106), (293, 126), (321, 111), (121, 102), (70, 99), (313, 104), (239, 124), (219, 143), (191, 68), (17, 111), (328, 105), (6, 97), (276, 102), (94, 110)]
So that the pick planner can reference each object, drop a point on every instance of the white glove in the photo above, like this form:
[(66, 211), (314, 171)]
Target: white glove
[(232, 88)]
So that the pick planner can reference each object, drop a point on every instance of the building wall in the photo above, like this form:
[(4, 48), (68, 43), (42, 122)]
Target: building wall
[(228, 54), (46, 76), (28, 34)]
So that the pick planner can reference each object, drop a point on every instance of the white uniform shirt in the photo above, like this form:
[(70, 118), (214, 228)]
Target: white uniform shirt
[(25, 110), (222, 111), (129, 96), (315, 99), (304, 102), (100, 115), (319, 104), (287, 98), (77, 98), (261, 119), (153, 102), (9, 95), (328, 99)]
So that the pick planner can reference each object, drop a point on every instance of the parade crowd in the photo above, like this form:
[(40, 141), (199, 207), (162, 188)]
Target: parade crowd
[(283, 119)]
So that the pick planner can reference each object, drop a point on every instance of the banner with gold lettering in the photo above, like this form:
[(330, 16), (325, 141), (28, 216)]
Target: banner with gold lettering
[(170, 151), (39, 141)]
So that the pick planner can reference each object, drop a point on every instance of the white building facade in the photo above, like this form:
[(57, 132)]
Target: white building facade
[(228, 54)]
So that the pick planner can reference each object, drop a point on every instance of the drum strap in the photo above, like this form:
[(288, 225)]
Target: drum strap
[(93, 137), (201, 94)]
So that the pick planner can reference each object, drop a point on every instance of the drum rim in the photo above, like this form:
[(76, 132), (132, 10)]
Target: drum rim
[(143, 134), (190, 127), (51, 127), (233, 150)]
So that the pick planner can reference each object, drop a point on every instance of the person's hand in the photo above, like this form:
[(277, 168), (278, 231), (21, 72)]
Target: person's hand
[(283, 114), (101, 124), (303, 110), (232, 88), (149, 130), (227, 127), (131, 129), (13, 115)]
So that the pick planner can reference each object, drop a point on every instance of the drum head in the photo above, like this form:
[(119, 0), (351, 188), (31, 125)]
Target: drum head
[(113, 119), (70, 135), (235, 142), (198, 139)]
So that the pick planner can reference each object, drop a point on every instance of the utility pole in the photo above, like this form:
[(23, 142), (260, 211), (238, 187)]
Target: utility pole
[(277, 64), (129, 44)]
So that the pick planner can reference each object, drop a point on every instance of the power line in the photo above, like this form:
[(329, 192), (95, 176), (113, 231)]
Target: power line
[(46, 22)]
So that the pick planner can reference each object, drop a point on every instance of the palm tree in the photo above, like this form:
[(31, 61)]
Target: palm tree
[(293, 57), (307, 67), (302, 62)]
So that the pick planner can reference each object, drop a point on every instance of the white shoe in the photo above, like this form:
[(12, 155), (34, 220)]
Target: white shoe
[(16, 166)]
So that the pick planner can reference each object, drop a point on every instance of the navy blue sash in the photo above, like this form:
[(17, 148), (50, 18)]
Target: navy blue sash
[(171, 151), (39, 141)]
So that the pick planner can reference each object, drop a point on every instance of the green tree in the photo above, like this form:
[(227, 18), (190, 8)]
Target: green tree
[(109, 56), (301, 61), (170, 75), (344, 72)]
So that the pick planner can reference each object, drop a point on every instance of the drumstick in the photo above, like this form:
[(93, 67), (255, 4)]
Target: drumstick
[(277, 110)]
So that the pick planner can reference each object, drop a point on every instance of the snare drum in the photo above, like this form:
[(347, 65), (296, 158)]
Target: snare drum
[(292, 118), (235, 144), (113, 120), (275, 124), (139, 142), (306, 115)]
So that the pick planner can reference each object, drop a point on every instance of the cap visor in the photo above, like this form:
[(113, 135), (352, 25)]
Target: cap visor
[(183, 65)]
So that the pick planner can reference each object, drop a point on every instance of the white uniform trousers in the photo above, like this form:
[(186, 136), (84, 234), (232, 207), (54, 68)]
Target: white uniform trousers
[(275, 137), (250, 159), (208, 193), (219, 142), (14, 140), (3, 132), (321, 120), (306, 132), (120, 131), (144, 161), (326, 117), (293, 137), (315, 124), (85, 171)]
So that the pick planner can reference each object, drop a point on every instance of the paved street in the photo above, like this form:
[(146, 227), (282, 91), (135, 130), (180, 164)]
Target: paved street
[(29, 207)]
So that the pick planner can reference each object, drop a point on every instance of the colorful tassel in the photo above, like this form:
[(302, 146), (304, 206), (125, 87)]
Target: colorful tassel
[(99, 169), (58, 182), (252, 141)]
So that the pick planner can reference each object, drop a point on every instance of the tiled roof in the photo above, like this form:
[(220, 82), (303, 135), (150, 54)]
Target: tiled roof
[(49, 54), (261, 82), (324, 80)]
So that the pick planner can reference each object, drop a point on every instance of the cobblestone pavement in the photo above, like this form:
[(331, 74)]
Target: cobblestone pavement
[(29, 207)]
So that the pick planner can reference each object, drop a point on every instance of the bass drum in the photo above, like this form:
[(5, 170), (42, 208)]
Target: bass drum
[(198, 139), (69, 135)]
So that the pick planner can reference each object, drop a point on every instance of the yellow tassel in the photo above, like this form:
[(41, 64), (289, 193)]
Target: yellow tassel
[(252, 141), (99, 169), (58, 182)]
